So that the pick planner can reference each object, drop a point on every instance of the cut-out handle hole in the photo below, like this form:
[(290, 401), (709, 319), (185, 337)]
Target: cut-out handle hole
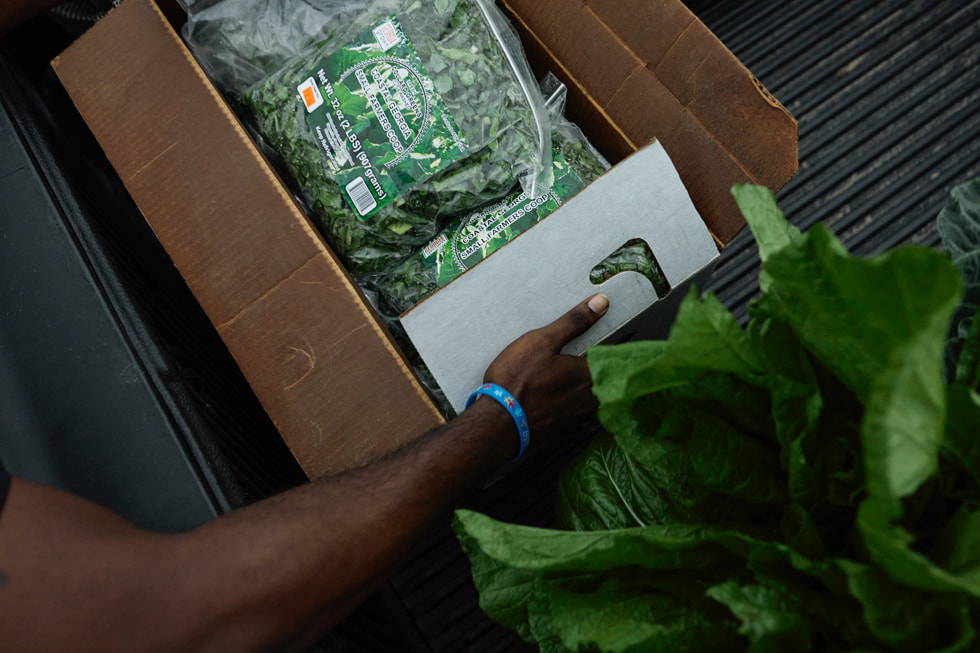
[(633, 256)]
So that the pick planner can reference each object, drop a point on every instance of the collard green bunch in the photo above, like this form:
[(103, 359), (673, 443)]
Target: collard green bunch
[(810, 483), (486, 98)]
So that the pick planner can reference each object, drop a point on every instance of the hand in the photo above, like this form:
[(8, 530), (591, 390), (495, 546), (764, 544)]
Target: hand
[(555, 390)]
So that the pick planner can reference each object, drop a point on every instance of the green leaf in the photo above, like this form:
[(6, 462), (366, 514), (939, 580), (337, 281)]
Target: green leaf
[(506, 591), (898, 616), (705, 338), (959, 226), (624, 615), (961, 446), (797, 402), (968, 366), (854, 314), (677, 546), (728, 461), (878, 325), (632, 589), (958, 547), (959, 222), (605, 489), (889, 545), (772, 621), (905, 414), (802, 533), (771, 230)]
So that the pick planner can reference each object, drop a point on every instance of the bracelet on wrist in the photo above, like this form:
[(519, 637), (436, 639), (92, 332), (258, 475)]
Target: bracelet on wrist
[(508, 401)]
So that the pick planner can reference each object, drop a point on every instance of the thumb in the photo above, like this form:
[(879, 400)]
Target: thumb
[(576, 321)]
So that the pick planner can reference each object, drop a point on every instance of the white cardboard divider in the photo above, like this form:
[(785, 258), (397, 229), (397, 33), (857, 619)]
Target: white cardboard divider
[(460, 329)]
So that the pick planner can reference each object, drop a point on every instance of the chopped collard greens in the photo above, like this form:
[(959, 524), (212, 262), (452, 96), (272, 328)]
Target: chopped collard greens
[(634, 256), (470, 239), (808, 483), (487, 125)]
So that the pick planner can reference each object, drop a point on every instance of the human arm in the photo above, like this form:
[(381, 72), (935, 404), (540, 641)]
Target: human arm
[(280, 573)]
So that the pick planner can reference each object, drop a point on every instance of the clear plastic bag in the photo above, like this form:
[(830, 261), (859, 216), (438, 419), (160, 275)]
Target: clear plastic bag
[(475, 236), (259, 52)]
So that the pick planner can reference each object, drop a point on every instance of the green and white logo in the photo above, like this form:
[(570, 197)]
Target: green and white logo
[(378, 118), (471, 239)]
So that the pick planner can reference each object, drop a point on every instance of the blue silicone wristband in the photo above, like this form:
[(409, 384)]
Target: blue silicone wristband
[(506, 400)]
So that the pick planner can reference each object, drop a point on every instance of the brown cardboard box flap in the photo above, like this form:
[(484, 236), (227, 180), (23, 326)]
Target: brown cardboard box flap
[(640, 70), (319, 360)]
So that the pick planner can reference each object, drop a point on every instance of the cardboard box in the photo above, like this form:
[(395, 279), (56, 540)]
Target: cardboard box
[(319, 360)]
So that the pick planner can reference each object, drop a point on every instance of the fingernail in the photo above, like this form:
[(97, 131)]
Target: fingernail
[(599, 304)]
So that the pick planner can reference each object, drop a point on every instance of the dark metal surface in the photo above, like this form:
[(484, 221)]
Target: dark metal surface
[(886, 95)]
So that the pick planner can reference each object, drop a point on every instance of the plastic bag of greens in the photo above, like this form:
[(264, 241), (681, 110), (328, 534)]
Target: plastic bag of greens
[(473, 237), (390, 116), (470, 239)]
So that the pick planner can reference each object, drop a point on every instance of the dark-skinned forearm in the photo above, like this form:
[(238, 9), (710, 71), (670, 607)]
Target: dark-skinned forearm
[(301, 561), (273, 575), (277, 574)]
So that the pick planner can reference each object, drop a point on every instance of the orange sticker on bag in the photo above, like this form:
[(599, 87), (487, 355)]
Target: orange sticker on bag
[(310, 94)]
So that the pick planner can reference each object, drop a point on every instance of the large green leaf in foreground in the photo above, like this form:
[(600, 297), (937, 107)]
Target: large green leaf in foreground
[(809, 483)]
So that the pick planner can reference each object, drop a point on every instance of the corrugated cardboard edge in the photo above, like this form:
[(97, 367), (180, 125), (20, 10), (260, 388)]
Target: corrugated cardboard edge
[(655, 59), (273, 311)]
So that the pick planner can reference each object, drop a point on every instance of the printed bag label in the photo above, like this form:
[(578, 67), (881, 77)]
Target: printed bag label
[(471, 239), (377, 116)]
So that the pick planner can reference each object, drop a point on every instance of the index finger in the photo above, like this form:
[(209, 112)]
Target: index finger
[(576, 321)]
